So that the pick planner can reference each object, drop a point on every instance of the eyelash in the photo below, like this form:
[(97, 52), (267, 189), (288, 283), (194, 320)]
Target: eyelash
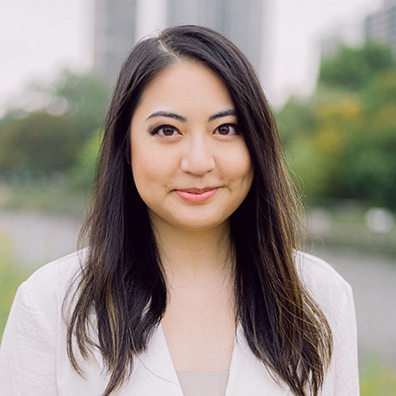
[(233, 126), (158, 130)]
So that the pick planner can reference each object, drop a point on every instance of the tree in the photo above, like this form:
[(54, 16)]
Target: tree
[(85, 96), (83, 172), (341, 143), (353, 68), (40, 142), (47, 129)]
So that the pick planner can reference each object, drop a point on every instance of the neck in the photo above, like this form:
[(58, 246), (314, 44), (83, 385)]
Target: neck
[(194, 255)]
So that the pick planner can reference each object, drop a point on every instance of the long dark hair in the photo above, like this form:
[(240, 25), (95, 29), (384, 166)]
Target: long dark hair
[(122, 278)]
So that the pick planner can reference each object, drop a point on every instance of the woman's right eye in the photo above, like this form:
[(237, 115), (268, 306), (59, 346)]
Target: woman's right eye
[(165, 130)]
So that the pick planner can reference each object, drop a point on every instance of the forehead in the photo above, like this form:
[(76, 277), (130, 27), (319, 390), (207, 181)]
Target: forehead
[(186, 82)]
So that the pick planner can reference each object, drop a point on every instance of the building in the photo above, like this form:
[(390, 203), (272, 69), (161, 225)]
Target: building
[(351, 34), (119, 24), (380, 26), (114, 35), (240, 21)]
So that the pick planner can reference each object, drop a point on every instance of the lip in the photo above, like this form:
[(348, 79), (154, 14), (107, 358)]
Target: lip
[(196, 195)]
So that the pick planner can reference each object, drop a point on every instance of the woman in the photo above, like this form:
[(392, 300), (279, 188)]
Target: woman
[(191, 283)]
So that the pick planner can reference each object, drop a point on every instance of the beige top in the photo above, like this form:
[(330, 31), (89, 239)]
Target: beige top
[(197, 383)]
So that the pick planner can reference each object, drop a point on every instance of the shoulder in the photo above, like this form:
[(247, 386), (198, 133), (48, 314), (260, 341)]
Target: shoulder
[(317, 272), (329, 289), (58, 271), (56, 276), (44, 292), (34, 341), (334, 296)]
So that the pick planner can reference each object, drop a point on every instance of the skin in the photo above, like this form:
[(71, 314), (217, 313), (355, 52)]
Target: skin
[(192, 168)]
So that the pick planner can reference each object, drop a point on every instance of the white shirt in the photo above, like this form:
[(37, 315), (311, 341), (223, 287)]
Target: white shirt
[(34, 361)]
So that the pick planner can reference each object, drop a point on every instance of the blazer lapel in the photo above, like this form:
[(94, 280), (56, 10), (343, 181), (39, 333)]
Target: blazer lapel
[(248, 375), (153, 372)]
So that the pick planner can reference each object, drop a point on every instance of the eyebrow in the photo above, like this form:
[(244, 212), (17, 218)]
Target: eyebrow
[(224, 113), (220, 114), (167, 114)]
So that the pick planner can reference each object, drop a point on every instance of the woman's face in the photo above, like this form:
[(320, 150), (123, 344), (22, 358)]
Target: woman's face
[(189, 160)]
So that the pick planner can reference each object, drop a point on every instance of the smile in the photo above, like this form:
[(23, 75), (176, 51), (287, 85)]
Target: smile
[(196, 195)]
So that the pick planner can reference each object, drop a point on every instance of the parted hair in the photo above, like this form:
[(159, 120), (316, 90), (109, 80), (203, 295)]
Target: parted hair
[(122, 280)]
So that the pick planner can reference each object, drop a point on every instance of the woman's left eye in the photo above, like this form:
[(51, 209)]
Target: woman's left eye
[(226, 130)]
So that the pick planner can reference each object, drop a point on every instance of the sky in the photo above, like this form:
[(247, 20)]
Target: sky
[(40, 37)]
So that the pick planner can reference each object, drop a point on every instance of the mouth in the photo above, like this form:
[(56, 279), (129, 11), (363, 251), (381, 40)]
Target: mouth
[(196, 195)]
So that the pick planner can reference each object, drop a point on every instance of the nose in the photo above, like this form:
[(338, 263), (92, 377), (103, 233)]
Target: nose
[(198, 158)]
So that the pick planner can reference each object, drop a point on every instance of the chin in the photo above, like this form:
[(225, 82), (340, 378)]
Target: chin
[(199, 226)]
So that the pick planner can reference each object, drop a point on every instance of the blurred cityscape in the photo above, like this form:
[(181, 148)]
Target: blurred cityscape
[(339, 142), (120, 24)]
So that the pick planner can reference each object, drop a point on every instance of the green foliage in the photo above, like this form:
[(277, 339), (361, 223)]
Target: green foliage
[(49, 127), (48, 198), (377, 380), (11, 277), (40, 142), (86, 99), (295, 118), (83, 173), (380, 93), (342, 143), (353, 68)]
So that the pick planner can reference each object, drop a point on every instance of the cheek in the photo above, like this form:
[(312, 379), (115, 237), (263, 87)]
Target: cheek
[(246, 175), (140, 170), (151, 172), (240, 167)]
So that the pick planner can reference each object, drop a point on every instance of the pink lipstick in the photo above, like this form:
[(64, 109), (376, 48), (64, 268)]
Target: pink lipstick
[(196, 195)]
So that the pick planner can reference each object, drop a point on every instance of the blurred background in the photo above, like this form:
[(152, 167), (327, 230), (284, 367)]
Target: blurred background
[(329, 71)]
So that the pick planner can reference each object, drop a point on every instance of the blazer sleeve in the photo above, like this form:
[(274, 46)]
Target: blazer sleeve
[(345, 363), (28, 350), (334, 296)]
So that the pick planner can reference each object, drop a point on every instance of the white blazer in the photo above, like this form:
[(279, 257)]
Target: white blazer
[(34, 361)]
